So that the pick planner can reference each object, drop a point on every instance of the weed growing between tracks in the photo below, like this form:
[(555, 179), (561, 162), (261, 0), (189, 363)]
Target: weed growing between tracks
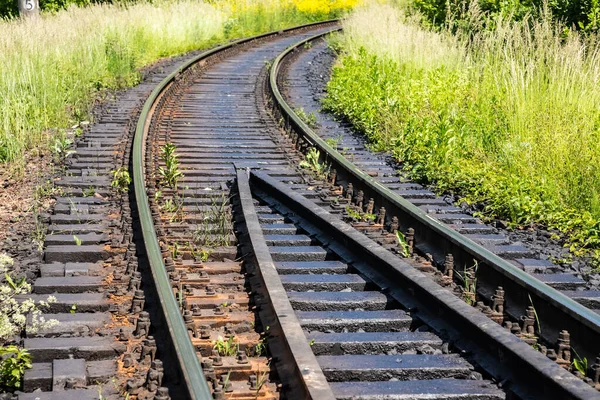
[(121, 179), (216, 226), (309, 119), (311, 162), (170, 174), (55, 68), (506, 118)]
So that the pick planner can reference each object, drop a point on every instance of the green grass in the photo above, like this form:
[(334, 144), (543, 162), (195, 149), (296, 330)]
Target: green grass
[(55, 67), (509, 117)]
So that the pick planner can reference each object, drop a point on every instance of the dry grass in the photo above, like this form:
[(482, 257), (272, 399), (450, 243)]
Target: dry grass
[(54, 67)]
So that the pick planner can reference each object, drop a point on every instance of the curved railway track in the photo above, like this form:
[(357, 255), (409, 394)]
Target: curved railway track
[(238, 279), (439, 229)]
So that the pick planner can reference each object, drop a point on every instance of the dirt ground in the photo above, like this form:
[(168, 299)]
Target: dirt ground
[(24, 204)]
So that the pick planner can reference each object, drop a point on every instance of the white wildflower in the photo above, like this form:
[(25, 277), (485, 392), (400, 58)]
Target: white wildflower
[(14, 312)]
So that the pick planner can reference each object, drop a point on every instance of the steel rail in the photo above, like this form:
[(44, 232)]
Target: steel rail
[(189, 365), (556, 311), (526, 372), (305, 367)]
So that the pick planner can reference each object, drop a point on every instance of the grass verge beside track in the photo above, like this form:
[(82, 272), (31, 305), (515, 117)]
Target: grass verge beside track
[(55, 67), (509, 118)]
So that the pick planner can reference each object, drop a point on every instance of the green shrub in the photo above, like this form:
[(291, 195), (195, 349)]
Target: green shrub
[(581, 14), (8, 8), (57, 5), (14, 362)]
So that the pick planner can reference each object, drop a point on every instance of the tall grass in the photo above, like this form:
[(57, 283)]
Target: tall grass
[(509, 117), (52, 69)]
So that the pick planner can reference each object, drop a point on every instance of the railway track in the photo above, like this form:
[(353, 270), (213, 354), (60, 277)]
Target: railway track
[(228, 273), (501, 263)]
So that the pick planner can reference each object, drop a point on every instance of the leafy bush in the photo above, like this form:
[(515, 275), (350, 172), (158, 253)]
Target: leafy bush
[(8, 8), (14, 362), (583, 14), (57, 5)]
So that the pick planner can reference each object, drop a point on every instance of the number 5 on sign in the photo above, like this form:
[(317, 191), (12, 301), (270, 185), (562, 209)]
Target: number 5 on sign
[(29, 8)]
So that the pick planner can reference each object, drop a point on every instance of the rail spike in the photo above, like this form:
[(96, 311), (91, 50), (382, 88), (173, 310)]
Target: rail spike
[(448, 275), (563, 349)]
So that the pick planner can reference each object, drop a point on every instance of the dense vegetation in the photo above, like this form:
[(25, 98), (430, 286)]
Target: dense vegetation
[(54, 67), (507, 117), (9, 8), (581, 14)]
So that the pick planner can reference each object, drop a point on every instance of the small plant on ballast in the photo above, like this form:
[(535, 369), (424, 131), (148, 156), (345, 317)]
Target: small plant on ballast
[(216, 226), (580, 364), (204, 255), (169, 206), (226, 380), (262, 378), (352, 213), (309, 119), (89, 192), (403, 244), (199, 254), (260, 349), (357, 215), (170, 173), (121, 179), (333, 142), (175, 253), (311, 162), (537, 319), (61, 148), (268, 64), (226, 348), (46, 190), (38, 234), (175, 207), (469, 289)]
